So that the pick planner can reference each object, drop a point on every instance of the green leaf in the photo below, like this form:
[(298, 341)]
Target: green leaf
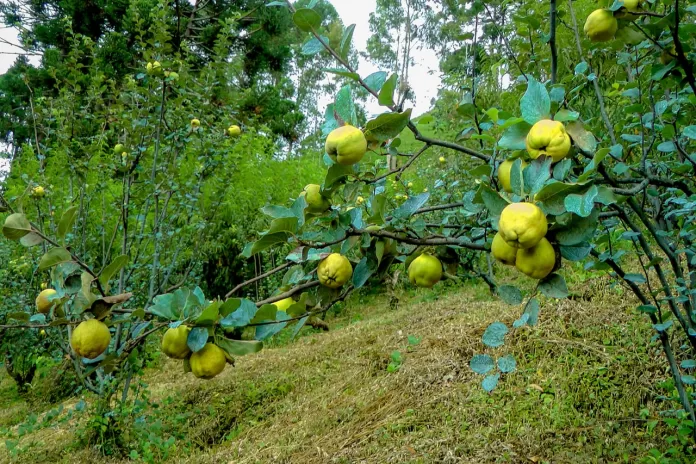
[(635, 278), (197, 338), (536, 103), (536, 174), (564, 115), (515, 137), (361, 273), (554, 286), (507, 364), (346, 41), (31, 239), (268, 330), (516, 177), (592, 166), (582, 138), (481, 363), (581, 205), (376, 80), (492, 200), (66, 222), (411, 205), (16, 226), (659, 71), (288, 224), (552, 196), (387, 125), (241, 316), (313, 46), (494, 336), (53, 257), (115, 266), (386, 94), (306, 19), (344, 106), (510, 294), (239, 347), (578, 230), (210, 314), (689, 131), (490, 382), (343, 72), (299, 326), (266, 312), (576, 252), (648, 309), (267, 241), (335, 173)]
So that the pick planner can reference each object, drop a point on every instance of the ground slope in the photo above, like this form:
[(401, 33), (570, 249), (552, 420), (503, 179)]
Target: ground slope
[(584, 390)]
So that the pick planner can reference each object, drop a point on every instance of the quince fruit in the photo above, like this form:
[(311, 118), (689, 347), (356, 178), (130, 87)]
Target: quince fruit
[(119, 148), (283, 305), (522, 225), (316, 202), (504, 174), (90, 339), (195, 123), (548, 138), (538, 261), (502, 251), (425, 271), (208, 362), (334, 271), (601, 25), (234, 130), (42, 304), (346, 145), (174, 342), (38, 192)]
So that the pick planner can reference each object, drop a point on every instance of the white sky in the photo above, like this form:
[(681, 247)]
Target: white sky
[(424, 83), (424, 76)]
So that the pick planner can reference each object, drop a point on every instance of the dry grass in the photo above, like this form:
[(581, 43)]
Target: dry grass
[(584, 374)]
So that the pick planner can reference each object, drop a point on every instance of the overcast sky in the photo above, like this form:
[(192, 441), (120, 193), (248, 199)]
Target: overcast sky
[(424, 83)]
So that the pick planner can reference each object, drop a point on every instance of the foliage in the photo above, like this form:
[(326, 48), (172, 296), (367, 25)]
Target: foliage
[(151, 179)]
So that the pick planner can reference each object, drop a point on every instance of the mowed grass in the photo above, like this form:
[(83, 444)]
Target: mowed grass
[(585, 391)]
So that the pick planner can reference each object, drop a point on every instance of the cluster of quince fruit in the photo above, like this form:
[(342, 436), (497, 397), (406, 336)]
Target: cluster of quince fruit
[(521, 240), (601, 25), (205, 363), (89, 339), (347, 145), (546, 138), (154, 68)]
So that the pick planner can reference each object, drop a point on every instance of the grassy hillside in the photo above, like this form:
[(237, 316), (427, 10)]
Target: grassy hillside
[(584, 392)]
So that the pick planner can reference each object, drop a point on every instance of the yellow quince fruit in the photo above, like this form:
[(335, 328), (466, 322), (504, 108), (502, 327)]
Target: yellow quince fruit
[(360, 200), (442, 159), (90, 339), (195, 123), (208, 362), (425, 271), (548, 138), (538, 261), (334, 271), (234, 130), (346, 145), (119, 148), (502, 251), (283, 305), (42, 304), (38, 192), (601, 26), (174, 342), (316, 202), (504, 174), (522, 225)]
